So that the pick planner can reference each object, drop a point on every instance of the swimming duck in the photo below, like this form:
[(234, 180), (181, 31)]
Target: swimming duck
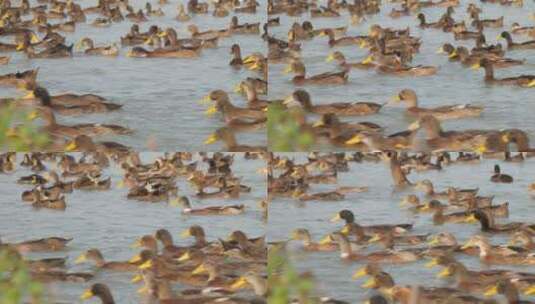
[(88, 47), (410, 99), (19, 79), (92, 181), (523, 80), (506, 288), (53, 128), (328, 78), (349, 218), (85, 143), (227, 136), (40, 245), (341, 61), (184, 52), (231, 112), (96, 256), (340, 109), (507, 255), (212, 210), (71, 104), (498, 177), (390, 256), (308, 245), (488, 225), (99, 290), (511, 45)]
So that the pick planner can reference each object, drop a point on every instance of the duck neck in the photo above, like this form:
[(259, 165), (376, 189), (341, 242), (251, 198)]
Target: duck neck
[(509, 40), (345, 248), (433, 129), (489, 72), (397, 173), (511, 293), (48, 116), (251, 94)]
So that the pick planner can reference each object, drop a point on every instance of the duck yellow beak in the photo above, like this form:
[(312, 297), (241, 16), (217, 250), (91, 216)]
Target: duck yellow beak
[(345, 230), (414, 126), (434, 241), (82, 258), (531, 84), (32, 115), (200, 269), (499, 37), (136, 278), (206, 99), (431, 263), (453, 54), (530, 291), (71, 146), (255, 67), (475, 66), (78, 46), (359, 273), (211, 111), (329, 58), (147, 42), (374, 239), (130, 54), (368, 60), (248, 59), (467, 245), (146, 265), (86, 295), (288, 69), (211, 139), (404, 202), (371, 283), (335, 218), (143, 289), (186, 256), (354, 140), (162, 34), (440, 50), (363, 44), (238, 89), (444, 273), (318, 124), (34, 38), (241, 282), (326, 240), (30, 95), (425, 207), (491, 291), (186, 233), (480, 149), (135, 259), (470, 219)]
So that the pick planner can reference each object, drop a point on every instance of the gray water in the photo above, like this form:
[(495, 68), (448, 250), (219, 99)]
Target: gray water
[(160, 95), (108, 221), (504, 106), (380, 205)]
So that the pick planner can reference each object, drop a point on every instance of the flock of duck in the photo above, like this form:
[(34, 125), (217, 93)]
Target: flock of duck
[(390, 52), (358, 239), (44, 30), (206, 270)]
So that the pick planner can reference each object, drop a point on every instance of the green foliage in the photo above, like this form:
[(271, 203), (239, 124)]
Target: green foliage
[(284, 129), (285, 282), (17, 131), (16, 284)]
